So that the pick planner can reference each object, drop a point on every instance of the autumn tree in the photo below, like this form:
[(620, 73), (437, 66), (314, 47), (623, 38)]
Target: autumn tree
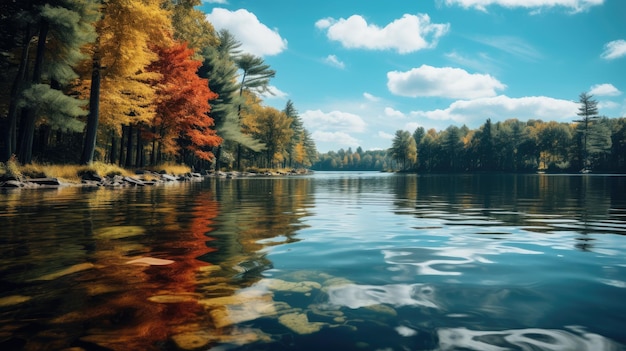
[(181, 121), (190, 24), (120, 88)]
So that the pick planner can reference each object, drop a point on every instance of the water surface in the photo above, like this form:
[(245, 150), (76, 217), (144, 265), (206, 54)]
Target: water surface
[(337, 261)]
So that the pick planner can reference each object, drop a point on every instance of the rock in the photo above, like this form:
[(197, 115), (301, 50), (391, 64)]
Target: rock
[(90, 175), (168, 178), (45, 181), (12, 184), (299, 323), (133, 181)]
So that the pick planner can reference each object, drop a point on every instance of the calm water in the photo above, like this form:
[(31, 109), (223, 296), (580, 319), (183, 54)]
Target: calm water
[(333, 261)]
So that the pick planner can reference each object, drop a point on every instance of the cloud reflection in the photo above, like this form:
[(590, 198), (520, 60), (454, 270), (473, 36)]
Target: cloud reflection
[(357, 296), (444, 260), (523, 339)]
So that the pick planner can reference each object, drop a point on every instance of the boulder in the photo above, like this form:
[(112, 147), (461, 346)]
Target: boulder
[(90, 175), (45, 181), (133, 181), (168, 178), (11, 184)]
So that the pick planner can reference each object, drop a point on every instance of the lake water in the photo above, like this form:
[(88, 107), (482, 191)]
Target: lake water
[(331, 261)]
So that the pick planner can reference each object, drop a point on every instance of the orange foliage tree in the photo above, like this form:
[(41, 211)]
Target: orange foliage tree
[(182, 122)]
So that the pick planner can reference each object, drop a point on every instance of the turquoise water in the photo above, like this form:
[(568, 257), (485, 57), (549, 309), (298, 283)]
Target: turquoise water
[(336, 261)]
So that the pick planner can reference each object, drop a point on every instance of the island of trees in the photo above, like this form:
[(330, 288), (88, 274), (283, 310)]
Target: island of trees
[(590, 143), (137, 83)]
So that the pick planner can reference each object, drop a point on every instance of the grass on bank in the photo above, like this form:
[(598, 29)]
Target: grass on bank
[(72, 173)]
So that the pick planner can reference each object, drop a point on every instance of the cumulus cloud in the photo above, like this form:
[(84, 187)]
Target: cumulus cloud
[(255, 37), (405, 35), (446, 82), (335, 138), (390, 112), (334, 61), (334, 120), (499, 108), (573, 5), (215, 1), (604, 90), (614, 49)]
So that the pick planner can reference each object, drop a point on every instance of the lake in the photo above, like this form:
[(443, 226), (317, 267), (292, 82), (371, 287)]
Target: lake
[(329, 261)]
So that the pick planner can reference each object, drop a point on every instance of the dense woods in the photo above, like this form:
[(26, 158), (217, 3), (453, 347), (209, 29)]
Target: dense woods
[(591, 143), (137, 83)]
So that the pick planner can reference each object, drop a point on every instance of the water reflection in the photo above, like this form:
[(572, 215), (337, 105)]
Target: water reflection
[(340, 261), (575, 338)]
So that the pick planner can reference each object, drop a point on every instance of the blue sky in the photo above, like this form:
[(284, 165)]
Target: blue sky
[(359, 70)]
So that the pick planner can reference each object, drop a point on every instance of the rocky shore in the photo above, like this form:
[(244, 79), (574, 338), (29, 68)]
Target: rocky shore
[(141, 178)]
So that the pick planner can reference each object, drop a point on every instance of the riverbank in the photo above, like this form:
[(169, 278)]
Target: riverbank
[(13, 175)]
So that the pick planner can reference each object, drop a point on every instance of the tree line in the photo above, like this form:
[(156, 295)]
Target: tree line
[(590, 143), (137, 83)]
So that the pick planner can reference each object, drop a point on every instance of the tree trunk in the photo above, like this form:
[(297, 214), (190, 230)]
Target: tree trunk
[(139, 151), (124, 133), (129, 147), (91, 129), (27, 127), (113, 156), (10, 135)]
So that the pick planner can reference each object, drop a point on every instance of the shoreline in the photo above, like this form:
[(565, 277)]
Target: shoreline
[(141, 178)]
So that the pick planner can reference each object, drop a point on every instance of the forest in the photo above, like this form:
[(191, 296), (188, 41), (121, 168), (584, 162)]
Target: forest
[(590, 143), (137, 83)]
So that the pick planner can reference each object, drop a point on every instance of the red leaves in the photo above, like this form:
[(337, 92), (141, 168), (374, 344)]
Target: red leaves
[(183, 103)]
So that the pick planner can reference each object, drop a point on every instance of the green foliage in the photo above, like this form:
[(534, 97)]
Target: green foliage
[(514, 146), (404, 149), (255, 73), (59, 110)]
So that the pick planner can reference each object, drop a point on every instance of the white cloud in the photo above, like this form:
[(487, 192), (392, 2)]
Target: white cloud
[(370, 97), (274, 93), (412, 126), (608, 105), (405, 35), (385, 135), (499, 108), (604, 90), (390, 112), (336, 138), (573, 5), (614, 49), (334, 61), (255, 37), (446, 82), (215, 1), (334, 120)]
